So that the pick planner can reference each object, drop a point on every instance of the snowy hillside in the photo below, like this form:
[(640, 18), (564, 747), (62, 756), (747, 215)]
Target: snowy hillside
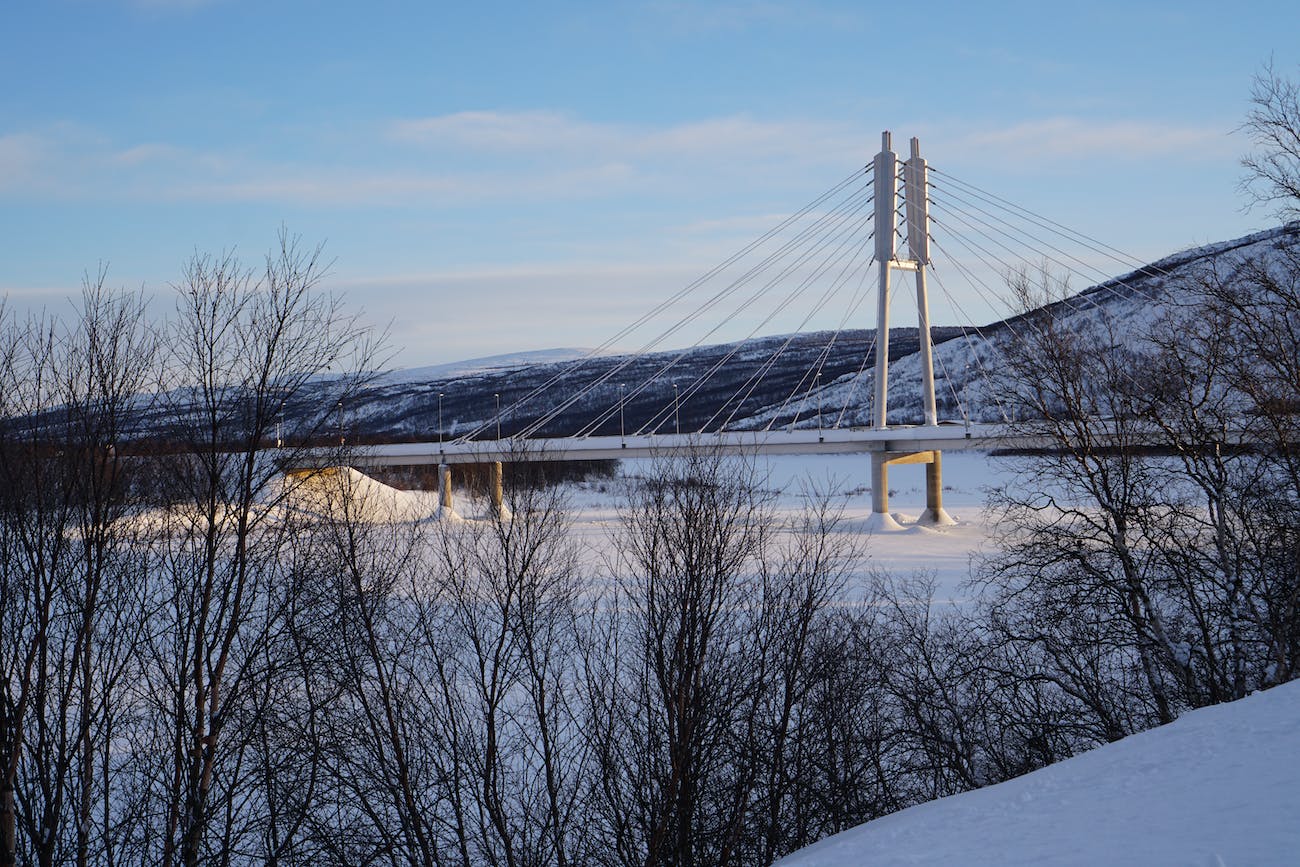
[(478, 366), (1215, 788), (1123, 305), (403, 405)]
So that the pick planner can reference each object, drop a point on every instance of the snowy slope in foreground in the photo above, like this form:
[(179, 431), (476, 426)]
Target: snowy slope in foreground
[(1216, 788)]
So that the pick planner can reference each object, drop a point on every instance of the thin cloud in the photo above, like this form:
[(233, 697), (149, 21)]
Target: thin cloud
[(741, 15), (487, 156), (144, 154), (505, 131), (1071, 138), (327, 187), (171, 5), (553, 132), (20, 158)]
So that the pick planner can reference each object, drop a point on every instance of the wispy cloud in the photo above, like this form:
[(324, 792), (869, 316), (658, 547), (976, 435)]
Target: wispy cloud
[(486, 156), (20, 159), (552, 132), (1070, 138), (171, 5), (481, 156), (302, 185), (145, 154), (504, 131), (739, 15)]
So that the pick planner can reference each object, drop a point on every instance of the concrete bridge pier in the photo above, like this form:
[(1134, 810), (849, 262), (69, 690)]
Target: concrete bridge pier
[(494, 485), (444, 487), (880, 463), (494, 488)]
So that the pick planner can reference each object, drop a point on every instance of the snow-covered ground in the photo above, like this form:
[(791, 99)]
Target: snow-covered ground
[(944, 552), (1215, 788)]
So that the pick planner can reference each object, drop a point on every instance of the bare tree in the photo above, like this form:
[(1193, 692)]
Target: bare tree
[(709, 665), (1075, 521), (1273, 124), (70, 590), (243, 347), (510, 586)]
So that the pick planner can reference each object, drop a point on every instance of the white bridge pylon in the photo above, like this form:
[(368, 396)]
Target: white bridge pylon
[(902, 445), (916, 202)]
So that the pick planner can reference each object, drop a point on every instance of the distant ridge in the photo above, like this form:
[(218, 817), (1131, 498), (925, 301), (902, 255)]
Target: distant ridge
[(474, 366), (408, 405)]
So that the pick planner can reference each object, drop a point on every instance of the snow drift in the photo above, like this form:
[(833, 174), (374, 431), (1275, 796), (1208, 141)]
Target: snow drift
[(1215, 787)]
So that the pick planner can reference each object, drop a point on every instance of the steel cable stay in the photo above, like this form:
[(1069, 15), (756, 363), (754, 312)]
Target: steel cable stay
[(1032, 324), (656, 421), (852, 201), (1048, 223), (839, 215), (832, 290), (1005, 267), (847, 234), (659, 418), (855, 302), (1069, 302), (951, 208), (751, 384), (717, 298), (971, 349), (681, 294), (857, 377), (810, 376), (587, 429), (1103, 275), (814, 373), (952, 389), (977, 283)]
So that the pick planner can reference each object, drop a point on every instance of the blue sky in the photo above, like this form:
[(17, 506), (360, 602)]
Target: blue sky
[(492, 177)]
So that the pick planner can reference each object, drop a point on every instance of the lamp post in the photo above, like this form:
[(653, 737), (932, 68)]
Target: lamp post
[(440, 418), (677, 419), (622, 430), (340, 422), (498, 400)]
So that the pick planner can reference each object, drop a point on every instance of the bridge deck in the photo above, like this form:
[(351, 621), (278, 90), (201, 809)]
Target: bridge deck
[(838, 441)]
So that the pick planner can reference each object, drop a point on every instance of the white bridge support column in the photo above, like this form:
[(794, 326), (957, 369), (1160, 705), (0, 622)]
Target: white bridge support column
[(886, 207), (444, 487), (917, 204), (494, 488), (880, 463)]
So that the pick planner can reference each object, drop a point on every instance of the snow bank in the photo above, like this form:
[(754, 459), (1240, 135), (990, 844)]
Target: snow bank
[(343, 491), (1216, 787)]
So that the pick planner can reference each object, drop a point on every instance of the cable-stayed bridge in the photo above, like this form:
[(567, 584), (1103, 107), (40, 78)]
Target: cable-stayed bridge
[(876, 235)]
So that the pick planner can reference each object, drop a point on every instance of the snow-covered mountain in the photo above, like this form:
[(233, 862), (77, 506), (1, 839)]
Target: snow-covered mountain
[(475, 366), (768, 381), (1214, 788)]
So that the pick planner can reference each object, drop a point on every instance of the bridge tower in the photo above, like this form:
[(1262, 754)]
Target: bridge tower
[(916, 204)]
